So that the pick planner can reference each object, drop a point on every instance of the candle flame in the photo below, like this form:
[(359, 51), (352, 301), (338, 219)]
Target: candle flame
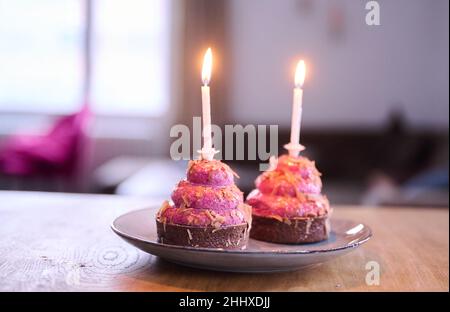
[(300, 74), (207, 67)]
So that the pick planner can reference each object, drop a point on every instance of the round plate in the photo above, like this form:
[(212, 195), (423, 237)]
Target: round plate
[(139, 229)]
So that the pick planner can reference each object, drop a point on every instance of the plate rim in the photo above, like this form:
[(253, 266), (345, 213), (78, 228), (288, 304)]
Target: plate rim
[(234, 251)]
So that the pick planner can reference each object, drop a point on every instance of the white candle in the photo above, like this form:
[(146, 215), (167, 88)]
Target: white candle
[(207, 152), (294, 147), (206, 111), (296, 116)]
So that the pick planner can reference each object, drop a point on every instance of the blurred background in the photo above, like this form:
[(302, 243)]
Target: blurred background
[(90, 88)]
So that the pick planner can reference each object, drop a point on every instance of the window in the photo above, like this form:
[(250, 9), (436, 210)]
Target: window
[(131, 56), (43, 55), (40, 55)]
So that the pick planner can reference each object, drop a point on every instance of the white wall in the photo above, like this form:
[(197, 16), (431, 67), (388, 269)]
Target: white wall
[(356, 79)]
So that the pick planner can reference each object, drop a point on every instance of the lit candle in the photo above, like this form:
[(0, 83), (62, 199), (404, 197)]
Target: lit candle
[(207, 152), (294, 147)]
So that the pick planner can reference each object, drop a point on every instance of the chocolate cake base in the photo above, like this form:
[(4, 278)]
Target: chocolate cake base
[(231, 237), (294, 231)]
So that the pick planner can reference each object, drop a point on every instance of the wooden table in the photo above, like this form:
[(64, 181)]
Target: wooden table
[(63, 242)]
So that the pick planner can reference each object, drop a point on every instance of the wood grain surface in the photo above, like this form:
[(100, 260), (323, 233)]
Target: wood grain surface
[(63, 242)]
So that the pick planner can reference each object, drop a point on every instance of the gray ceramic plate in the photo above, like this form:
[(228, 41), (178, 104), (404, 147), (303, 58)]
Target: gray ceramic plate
[(139, 229)]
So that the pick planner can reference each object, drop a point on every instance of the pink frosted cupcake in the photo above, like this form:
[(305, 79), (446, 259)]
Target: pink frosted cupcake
[(207, 209), (287, 205)]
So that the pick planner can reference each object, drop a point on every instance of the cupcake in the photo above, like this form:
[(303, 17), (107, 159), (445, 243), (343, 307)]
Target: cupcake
[(207, 209), (287, 204)]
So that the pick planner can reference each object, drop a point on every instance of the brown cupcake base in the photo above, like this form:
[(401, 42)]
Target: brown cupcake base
[(231, 237), (295, 231)]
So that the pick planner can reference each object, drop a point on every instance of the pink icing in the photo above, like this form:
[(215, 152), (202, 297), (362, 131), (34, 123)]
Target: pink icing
[(291, 176), (212, 172), (208, 197), (216, 198), (291, 190), (202, 217), (306, 205)]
